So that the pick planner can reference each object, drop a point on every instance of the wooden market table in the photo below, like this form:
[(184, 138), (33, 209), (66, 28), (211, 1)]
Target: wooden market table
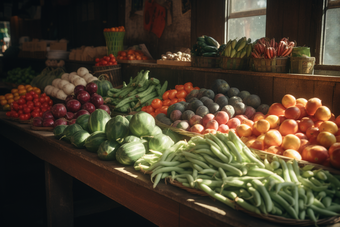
[(165, 205)]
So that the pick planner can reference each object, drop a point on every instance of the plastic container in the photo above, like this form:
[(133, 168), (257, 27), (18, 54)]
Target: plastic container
[(114, 42)]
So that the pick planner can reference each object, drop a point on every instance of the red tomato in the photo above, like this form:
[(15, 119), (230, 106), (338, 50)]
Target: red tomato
[(29, 97), (24, 105), (35, 96), (181, 100), (30, 103), (20, 107), (97, 64), (35, 114), (188, 88), (104, 62), (21, 101), (156, 103), (174, 100), (22, 117), (47, 98), (181, 94), (179, 87), (144, 108), (15, 106), (110, 63), (335, 158), (44, 105), (49, 108), (36, 109), (31, 92), (37, 104), (157, 111), (188, 84), (112, 60), (167, 102), (27, 116), (8, 113), (43, 95), (50, 103), (15, 114), (42, 99), (40, 114), (27, 110), (196, 88), (43, 110), (172, 93), (111, 56), (97, 59), (20, 112), (153, 114), (36, 100), (164, 109), (149, 109), (165, 95)]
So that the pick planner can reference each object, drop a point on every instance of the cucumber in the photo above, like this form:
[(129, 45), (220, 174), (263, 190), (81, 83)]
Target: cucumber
[(211, 41)]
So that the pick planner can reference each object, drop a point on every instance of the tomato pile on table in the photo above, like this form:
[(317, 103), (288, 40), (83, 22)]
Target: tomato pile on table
[(29, 106), (106, 61)]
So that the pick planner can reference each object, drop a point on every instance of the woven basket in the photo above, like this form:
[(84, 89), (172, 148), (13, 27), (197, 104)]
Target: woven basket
[(114, 42), (113, 73), (275, 65), (234, 63), (205, 62), (303, 65)]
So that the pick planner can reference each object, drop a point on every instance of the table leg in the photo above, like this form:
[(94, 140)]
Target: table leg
[(59, 197)]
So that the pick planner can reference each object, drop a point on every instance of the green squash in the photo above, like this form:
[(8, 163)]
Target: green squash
[(59, 130), (142, 124), (129, 153), (117, 128), (93, 142), (69, 131), (83, 121), (103, 85), (97, 120), (160, 142), (78, 138), (107, 150)]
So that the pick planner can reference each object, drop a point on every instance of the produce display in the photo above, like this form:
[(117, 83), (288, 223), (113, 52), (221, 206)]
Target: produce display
[(140, 91), (268, 48), (238, 48), (106, 61), (61, 87), (7, 99), (83, 101), (206, 46), (131, 55), (224, 168), (177, 56), (20, 76), (30, 105), (46, 77)]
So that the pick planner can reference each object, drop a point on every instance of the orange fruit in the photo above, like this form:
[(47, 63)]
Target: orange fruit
[(312, 132), (305, 123), (16, 98), (337, 120), (312, 105), (9, 96), (301, 101), (288, 100), (248, 122), (262, 126), (303, 143), (291, 153), (243, 130), (328, 126), (291, 142), (323, 113), (9, 101), (16, 94), (2, 97), (29, 89), (303, 112), (22, 92), (292, 112), (326, 139), (273, 120), (273, 138), (28, 86), (21, 87), (258, 116), (275, 150), (3, 102), (288, 126), (14, 90), (276, 109)]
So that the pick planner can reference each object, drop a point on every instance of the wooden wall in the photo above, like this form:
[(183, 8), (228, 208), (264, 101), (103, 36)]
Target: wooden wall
[(270, 87)]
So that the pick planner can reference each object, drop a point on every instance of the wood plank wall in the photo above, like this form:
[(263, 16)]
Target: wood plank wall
[(270, 87)]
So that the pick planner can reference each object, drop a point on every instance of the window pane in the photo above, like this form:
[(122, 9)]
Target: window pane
[(250, 27), (246, 5), (332, 38)]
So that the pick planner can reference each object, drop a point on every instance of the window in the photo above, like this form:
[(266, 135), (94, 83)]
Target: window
[(245, 18), (331, 33)]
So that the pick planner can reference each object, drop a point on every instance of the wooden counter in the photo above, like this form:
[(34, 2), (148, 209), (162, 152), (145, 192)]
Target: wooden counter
[(165, 205)]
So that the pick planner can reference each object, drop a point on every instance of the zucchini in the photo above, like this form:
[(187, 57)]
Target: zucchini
[(209, 54), (209, 49), (211, 41)]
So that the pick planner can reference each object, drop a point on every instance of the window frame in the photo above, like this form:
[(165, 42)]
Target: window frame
[(242, 14), (328, 4)]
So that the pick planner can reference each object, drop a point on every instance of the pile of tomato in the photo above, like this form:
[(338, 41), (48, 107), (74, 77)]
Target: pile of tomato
[(106, 61), (169, 97), (131, 55), (29, 106)]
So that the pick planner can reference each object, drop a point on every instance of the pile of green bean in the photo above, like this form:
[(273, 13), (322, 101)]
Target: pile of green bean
[(223, 167)]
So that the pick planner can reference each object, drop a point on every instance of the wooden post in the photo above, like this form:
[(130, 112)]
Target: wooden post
[(59, 197)]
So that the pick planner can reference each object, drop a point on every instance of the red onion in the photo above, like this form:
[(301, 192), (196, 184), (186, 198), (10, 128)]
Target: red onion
[(89, 107), (80, 112), (106, 108), (73, 105), (97, 100), (37, 121), (47, 115), (79, 88), (60, 121), (58, 110), (71, 122), (91, 88), (83, 97), (48, 122), (69, 116)]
